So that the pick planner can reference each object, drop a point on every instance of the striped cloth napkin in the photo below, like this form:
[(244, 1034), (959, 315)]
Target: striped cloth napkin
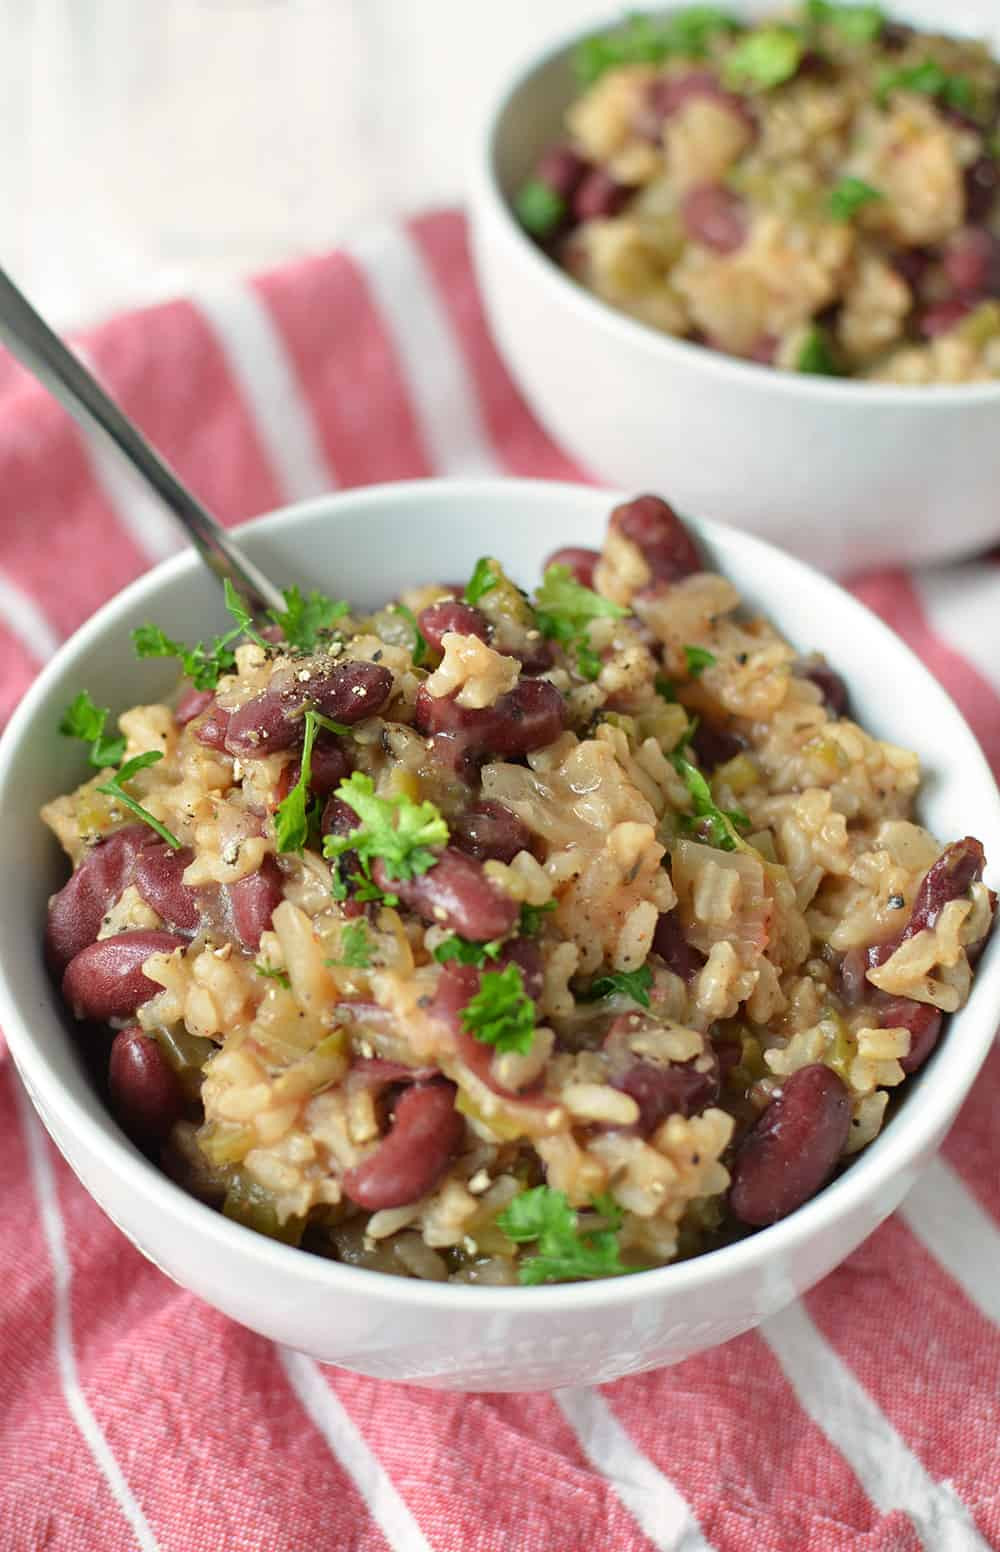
[(867, 1416)]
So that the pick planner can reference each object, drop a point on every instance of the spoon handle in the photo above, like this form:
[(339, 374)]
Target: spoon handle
[(29, 337)]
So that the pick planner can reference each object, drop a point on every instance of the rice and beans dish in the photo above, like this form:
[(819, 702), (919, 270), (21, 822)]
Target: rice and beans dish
[(493, 937), (816, 192)]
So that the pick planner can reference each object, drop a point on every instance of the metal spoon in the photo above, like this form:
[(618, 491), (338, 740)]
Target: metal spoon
[(37, 347)]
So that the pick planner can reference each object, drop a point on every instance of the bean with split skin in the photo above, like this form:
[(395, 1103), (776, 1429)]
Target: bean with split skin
[(658, 533), (273, 720), (450, 614), (146, 1095), (949, 878), (424, 1136), (77, 910), (253, 900), (793, 1148), (489, 831), (454, 893), (105, 980), (159, 879)]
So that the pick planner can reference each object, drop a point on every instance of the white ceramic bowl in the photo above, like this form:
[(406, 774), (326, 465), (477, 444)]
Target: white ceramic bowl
[(367, 545), (846, 474)]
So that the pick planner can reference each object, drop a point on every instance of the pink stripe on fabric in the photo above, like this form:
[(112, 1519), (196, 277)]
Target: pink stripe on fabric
[(971, 1145), (921, 1350), (19, 669), (165, 367), (481, 1472), (347, 369), (525, 448), (163, 1373), (756, 1471)]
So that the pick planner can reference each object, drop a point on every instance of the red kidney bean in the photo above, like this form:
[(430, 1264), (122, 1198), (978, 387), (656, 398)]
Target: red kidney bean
[(272, 721), (457, 985), (714, 744), (577, 560), (490, 831), (923, 1022), (158, 877), (454, 893), (853, 985), (330, 764), (982, 180), (943, 316), (599, 196), (764, 349), (253, 901), (668, 94), (655, 529), (451, 615), (830, 685), (972, 262), (793, 1148), (425, 1135), (76, 912), (105, 980), (562, 170), (530, 716), (191, 704), (665, 1091), (146, 1095), (715, 217), (528, 957), (912, 265), (949, 878), (677, 953), (212, 728)]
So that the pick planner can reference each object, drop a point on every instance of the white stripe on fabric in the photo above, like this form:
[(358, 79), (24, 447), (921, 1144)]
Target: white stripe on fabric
[(946, 1217), (258, 362), (25, 620), (887, 1469), (142, 515), (963, 605), (651, 1498), (442, 394), (345, 1442), (62, 1331)]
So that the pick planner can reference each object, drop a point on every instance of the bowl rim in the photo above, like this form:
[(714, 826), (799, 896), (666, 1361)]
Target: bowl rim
[(632, 332), (956, 1065)]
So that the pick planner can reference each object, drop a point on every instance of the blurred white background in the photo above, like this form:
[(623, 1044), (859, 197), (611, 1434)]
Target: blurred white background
[(150, 145)]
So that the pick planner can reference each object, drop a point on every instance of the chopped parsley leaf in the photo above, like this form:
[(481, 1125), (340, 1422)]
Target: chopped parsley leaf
[(355, 947), (501, 1014), (292, 815), (465, 952), (82, 719), (698, 659), (711, 824), (630, 983), (539, 208), (764, 59), (483, 580), (531, 918), (647, 39), (114, 788), (849, 195), (365, 890), (270, 973), (565, 608), (815, 355), (397, 830), (664, 688), (563, 1254), (931, 80), (304, 617), (856, 23)]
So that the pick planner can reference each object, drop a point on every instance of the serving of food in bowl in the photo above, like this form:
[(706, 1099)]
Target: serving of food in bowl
[(759, 229), (513, 944)]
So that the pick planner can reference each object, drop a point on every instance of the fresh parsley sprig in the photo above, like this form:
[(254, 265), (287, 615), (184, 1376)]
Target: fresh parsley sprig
[(630, 983), (203, 665), (82, 719), (305, 618), (565, 608), (114, 787), (483, 580), (764, 59), (501, 1014), (715, 826), (563, 1253), (465, 952), (396, 830), (294, 815)]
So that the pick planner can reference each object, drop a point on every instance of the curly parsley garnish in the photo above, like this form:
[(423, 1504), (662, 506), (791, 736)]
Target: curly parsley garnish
[(114, 788), (483, 580), (849, 195), (82, 719), (304, 619), (630, 983), (355, 947), (764, 59), (296, 812), (565, 608), (464, 952), (396, 830), (204, 666), (563, 1253), (501, 1014), (711, 824)]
